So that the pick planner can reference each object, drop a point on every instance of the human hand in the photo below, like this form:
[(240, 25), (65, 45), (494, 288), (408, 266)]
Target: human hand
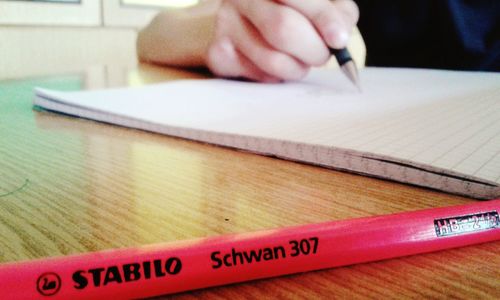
[(271, 41)]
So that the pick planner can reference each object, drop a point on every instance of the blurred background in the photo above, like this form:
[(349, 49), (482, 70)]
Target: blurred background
[(42, 37), (94, 38)]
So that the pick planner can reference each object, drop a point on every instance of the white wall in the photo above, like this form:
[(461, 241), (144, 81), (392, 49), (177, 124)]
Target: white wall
[(39, 38), (27, 51)]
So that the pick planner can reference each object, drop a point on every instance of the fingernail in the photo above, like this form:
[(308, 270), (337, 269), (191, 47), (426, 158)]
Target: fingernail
[(336, 36)]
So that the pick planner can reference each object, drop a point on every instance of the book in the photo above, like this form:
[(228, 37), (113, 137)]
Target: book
[(167, 268), (430, 128)]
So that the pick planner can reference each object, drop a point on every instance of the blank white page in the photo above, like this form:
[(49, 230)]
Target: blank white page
[(441, 121)]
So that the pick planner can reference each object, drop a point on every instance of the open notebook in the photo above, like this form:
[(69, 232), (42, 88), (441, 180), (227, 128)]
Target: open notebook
[(438, 129)]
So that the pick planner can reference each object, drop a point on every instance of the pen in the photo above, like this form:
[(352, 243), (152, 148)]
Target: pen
[(187, 265), (347, 65)]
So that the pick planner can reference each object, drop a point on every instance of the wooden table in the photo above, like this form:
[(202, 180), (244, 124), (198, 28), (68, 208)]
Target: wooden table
[(72, 186)]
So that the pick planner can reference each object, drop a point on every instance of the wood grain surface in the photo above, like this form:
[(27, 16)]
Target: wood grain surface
[(72, 186)]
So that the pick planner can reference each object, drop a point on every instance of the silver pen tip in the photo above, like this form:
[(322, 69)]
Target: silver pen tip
[(351, 71)]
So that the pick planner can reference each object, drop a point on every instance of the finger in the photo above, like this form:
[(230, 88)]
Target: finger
[(285, 29), (346, 10), (249, 42), (334, 20), (225, 61)]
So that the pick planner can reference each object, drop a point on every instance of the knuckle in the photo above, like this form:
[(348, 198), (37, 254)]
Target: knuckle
[(349, 10), (284, 67), (320, 59), (214, 53), (301, 73), (281, 26), (275, 65), (297, 74), (219, 57)]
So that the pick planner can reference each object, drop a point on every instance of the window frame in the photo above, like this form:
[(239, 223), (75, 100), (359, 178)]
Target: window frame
[(118, 14), (83, 13), (115, 14)]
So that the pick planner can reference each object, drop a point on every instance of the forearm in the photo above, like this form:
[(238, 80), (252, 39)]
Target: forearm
[(179, 37)]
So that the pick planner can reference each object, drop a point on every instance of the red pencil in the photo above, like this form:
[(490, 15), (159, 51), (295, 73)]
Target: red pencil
[(187, 265)]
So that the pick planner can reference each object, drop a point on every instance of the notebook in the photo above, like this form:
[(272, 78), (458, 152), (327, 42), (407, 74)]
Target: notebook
[(436, 129)]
